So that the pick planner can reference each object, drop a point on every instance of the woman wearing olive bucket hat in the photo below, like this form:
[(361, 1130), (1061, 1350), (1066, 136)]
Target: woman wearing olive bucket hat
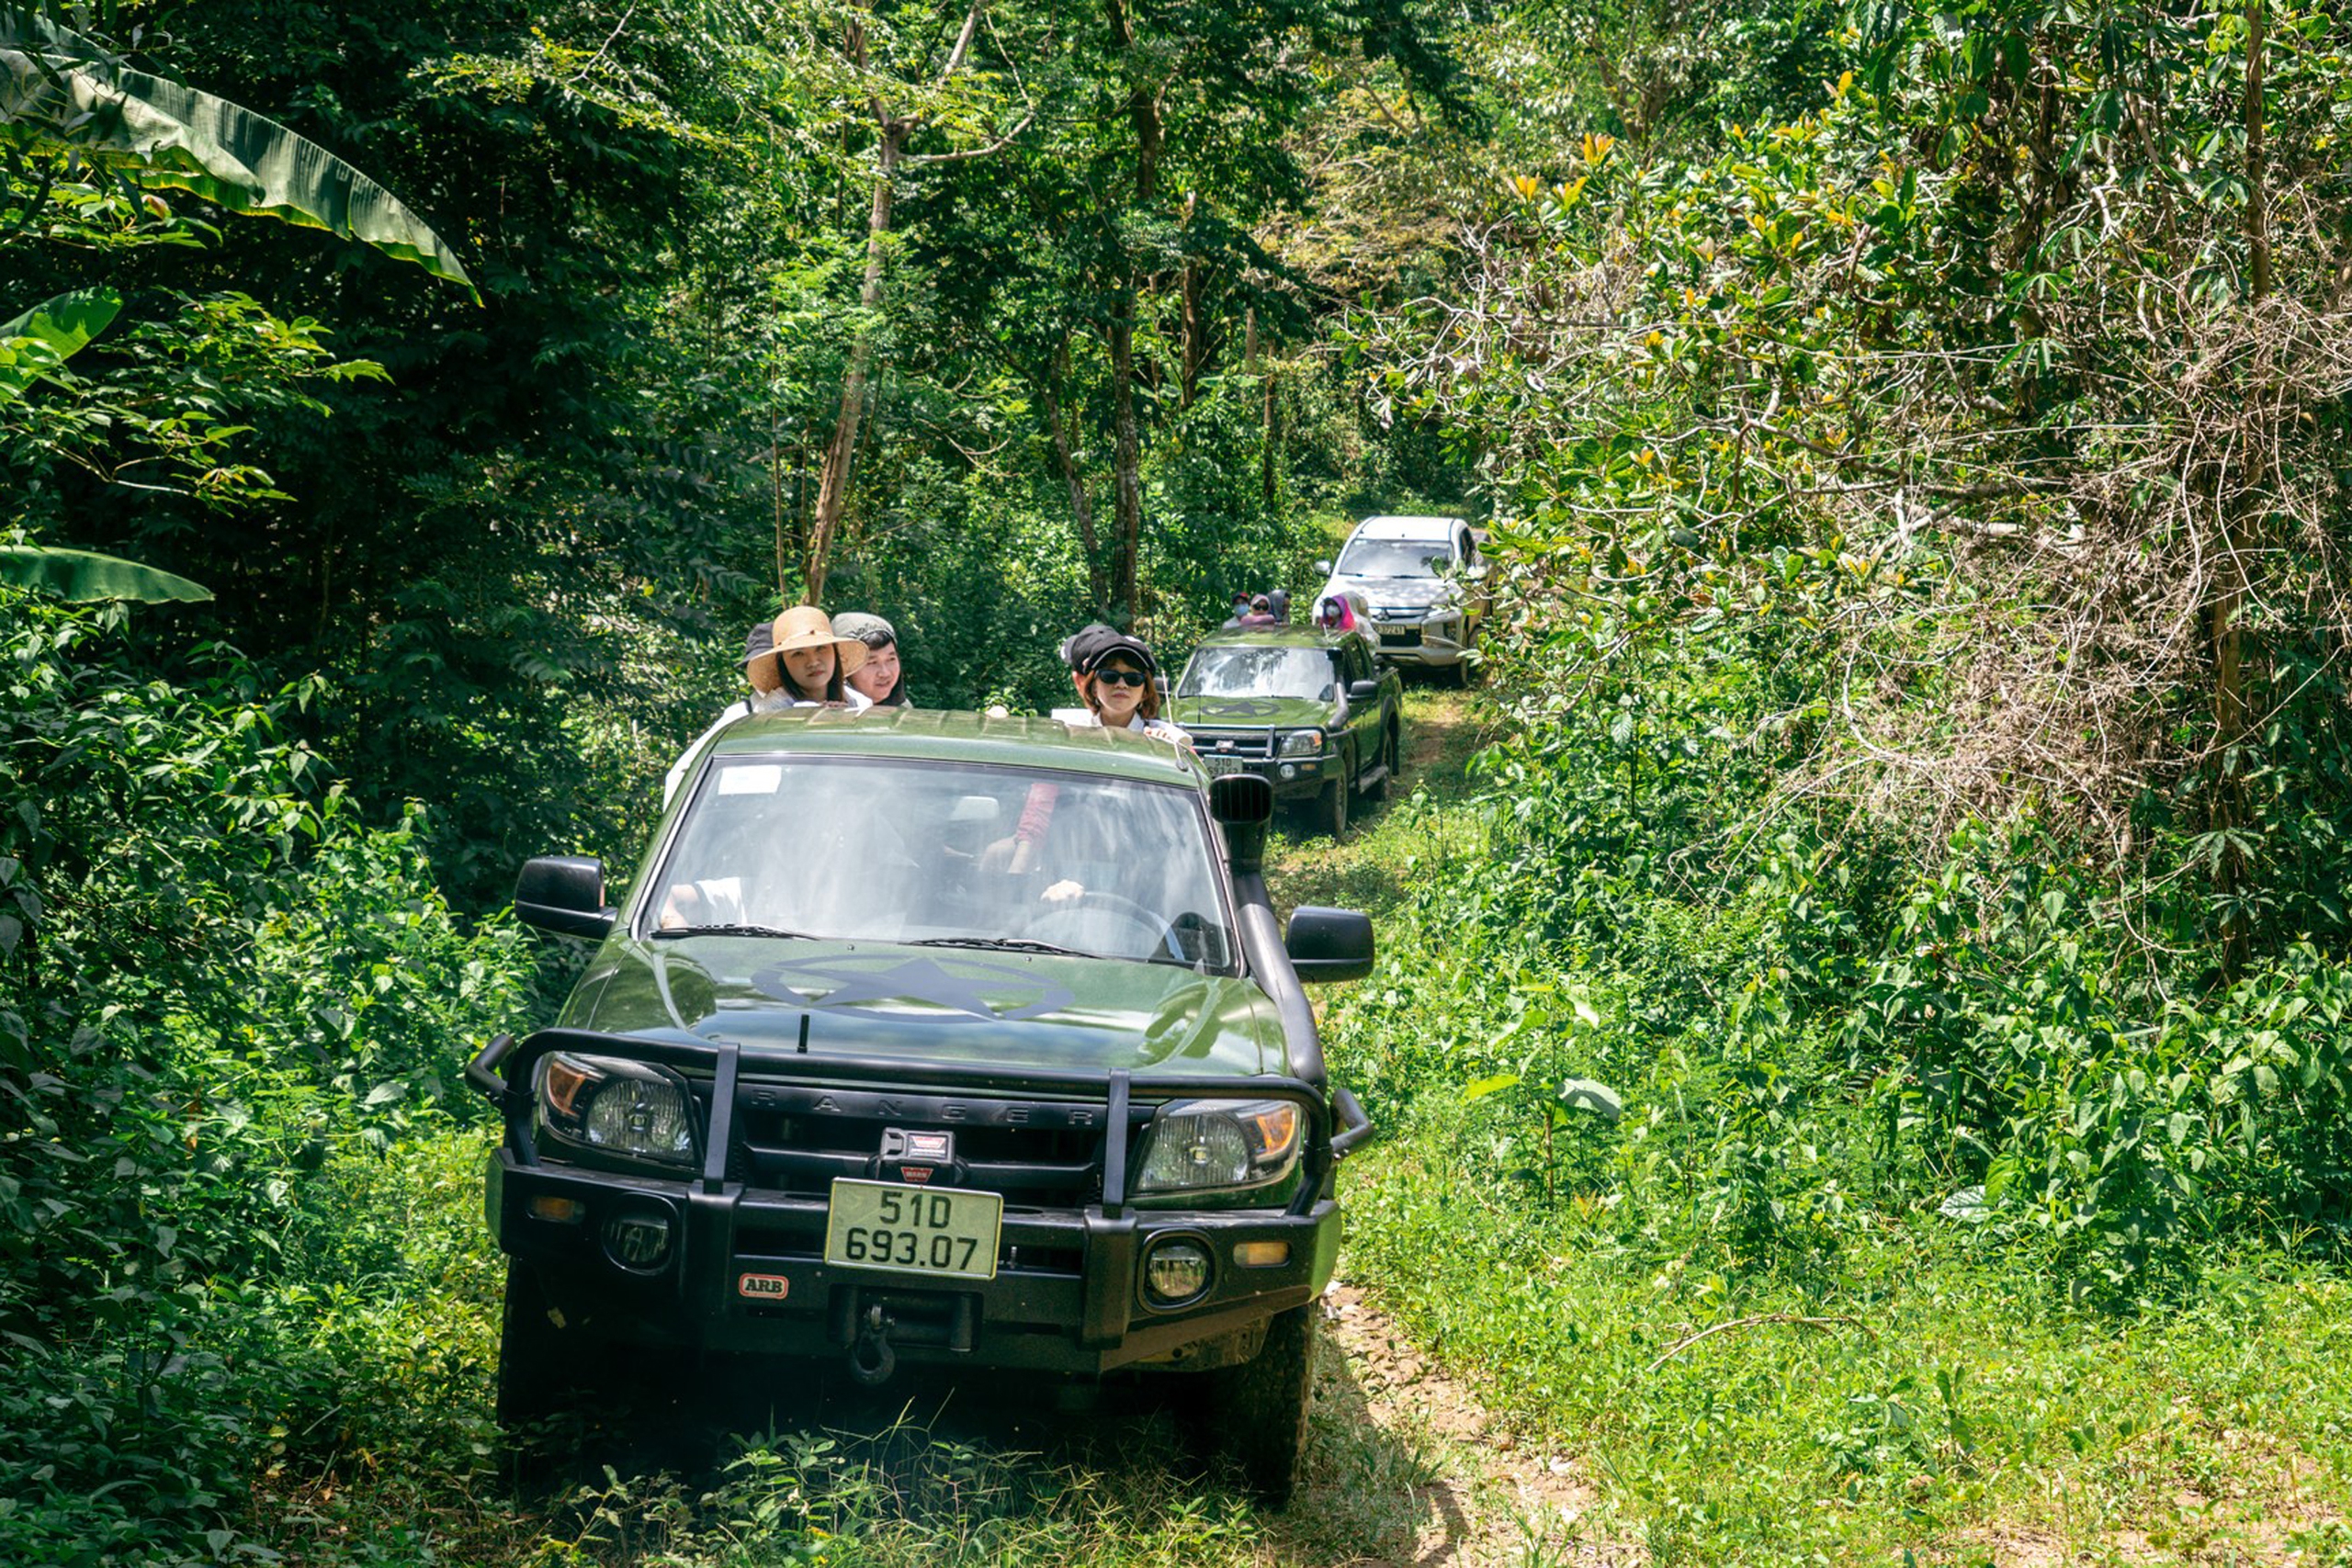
[(816, 661), (880, 679)]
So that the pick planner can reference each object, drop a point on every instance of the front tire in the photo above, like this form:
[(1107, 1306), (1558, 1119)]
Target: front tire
[(1254, 1416), (1386, 762), (534, 1355), (1331, 808)]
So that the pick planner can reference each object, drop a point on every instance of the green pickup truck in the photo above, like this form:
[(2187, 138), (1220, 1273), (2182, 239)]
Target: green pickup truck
[(1311, 712), (932, 1038)]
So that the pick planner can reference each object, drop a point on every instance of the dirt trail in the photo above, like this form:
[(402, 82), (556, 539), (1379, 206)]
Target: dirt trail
[(1407, 1465)]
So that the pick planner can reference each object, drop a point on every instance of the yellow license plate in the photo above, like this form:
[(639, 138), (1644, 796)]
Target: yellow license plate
[(939, 1231)]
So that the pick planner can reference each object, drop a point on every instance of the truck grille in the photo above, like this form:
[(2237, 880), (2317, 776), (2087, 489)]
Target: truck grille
[(800, 1155), (1251, 745)]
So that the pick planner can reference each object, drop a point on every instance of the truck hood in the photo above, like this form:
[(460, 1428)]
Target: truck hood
[(1410, 592), (1254, 713), (963, 1005)]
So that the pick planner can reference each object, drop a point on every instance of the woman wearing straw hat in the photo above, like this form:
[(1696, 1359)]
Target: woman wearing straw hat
[(816, 661)]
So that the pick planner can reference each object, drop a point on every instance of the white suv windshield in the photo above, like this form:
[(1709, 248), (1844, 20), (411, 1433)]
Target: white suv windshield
[(1395, 557), (946, 854), (1307, 672)]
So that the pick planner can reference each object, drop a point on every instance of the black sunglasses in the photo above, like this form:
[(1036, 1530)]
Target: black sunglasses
[(1122, 677)]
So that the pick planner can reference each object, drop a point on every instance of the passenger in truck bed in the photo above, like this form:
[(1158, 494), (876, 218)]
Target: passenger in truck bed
[(816, 661)]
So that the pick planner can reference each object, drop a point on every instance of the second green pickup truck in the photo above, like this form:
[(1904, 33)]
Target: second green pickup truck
[(1312, 712)]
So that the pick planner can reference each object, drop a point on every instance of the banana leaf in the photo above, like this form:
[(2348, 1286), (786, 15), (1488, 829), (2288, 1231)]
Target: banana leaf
[(49, 333), (83, 576), (62, 90)]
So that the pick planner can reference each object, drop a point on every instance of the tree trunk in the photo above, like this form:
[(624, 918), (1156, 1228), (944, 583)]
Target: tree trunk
[(1143, 115), (1126, 495), (2257, 213), (1142, 108), (1269, 438), (2231, 721), (775, 487), (833, 490), (1081, 505), (1266, 412), (1195, 339)]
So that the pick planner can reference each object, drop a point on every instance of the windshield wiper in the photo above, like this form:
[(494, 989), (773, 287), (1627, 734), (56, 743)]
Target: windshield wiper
[(1000, 944), (735, 928)]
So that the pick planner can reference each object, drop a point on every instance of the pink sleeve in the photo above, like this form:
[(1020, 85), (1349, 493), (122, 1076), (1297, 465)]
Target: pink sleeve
[(1034, 813)]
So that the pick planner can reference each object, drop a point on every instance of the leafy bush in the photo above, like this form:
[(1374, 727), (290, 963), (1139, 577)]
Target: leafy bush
[(218, 981)]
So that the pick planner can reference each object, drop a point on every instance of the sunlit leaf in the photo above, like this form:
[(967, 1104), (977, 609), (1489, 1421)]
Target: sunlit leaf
[(1484, 1086), (49, 333), (1583, 1094)]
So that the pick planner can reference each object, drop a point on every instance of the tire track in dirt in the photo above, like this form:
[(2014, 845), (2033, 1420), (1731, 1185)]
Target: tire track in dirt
[(1407, 1467)]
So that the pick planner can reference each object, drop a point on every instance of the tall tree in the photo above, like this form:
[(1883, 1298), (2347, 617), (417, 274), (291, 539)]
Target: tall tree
[(894, 123)]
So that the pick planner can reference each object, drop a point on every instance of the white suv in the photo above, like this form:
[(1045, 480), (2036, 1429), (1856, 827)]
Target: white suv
[(1422, 576)]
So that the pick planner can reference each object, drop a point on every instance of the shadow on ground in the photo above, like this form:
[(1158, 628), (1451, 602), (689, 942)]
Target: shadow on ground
[(947, 1454)]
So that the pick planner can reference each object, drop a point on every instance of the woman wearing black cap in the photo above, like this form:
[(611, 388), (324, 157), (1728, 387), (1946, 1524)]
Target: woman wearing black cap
[(1120, 690)]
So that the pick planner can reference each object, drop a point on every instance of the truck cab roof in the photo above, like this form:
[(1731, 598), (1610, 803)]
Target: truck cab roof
[(952, 735), (1401, 528)]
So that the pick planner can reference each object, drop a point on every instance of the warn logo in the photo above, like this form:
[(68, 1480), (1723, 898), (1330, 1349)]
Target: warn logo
[(763, 1287)]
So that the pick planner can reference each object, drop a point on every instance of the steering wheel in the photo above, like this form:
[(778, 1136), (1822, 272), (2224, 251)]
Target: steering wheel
[(1073, 912)]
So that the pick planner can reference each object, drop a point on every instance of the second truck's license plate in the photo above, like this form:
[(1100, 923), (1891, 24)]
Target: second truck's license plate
[(913, 1230)]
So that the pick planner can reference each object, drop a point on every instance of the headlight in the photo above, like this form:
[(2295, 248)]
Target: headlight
[(1217, 1146), (1302, 743), (617, 1107)]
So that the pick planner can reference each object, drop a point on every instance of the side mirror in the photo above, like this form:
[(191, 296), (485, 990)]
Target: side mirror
[(1363, 691), (1324, 567), (564, 893), (1330, 944), (1242, 804)]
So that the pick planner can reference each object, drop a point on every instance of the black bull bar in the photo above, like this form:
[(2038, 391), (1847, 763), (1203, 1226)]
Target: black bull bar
[(505, 1072)]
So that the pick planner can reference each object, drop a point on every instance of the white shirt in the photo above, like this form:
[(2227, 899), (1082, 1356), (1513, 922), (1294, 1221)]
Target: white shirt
[(1159, 728)]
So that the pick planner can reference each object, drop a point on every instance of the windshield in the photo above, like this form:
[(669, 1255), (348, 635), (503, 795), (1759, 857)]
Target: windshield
[(1395, 557), (950, 855), (1309, 673)]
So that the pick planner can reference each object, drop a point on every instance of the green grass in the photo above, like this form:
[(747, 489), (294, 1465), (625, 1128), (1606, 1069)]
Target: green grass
[(1935, 1402), (1416, 834), (1900, 1389)]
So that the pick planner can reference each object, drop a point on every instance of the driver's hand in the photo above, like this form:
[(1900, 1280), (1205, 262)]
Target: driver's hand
[(683, 908), (1062, 892)]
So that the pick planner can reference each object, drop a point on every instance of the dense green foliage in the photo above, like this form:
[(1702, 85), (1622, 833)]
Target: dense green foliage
[(1931, 593), (525, 533), (217, 985), (1911, 843)]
